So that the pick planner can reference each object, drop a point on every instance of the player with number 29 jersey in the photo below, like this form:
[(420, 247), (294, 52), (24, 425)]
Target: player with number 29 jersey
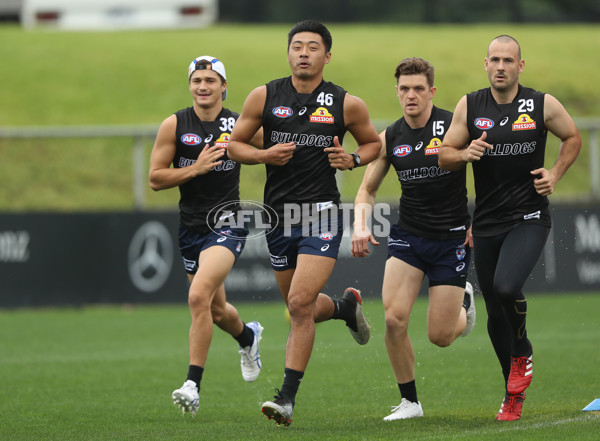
[(504, 186)]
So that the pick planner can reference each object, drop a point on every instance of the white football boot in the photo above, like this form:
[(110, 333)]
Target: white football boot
[(250, 362), (406, 409), (186, 397)]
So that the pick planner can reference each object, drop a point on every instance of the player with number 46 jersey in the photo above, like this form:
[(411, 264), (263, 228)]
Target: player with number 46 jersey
[(304, 119)]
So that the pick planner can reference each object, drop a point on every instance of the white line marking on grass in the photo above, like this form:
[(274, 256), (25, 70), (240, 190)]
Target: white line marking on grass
[(503, 426)]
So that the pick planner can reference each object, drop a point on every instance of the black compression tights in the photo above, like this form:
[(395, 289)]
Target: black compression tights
[(503, 263)]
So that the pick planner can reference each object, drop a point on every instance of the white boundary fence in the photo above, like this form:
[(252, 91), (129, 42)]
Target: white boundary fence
[(141, 133)]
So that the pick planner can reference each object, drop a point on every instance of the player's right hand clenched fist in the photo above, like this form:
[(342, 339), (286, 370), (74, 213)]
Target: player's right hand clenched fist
[(476, 149), (279, 154)]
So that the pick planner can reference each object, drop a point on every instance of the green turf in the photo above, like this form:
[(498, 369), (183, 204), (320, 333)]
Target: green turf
[(106, 373), (138, 77)]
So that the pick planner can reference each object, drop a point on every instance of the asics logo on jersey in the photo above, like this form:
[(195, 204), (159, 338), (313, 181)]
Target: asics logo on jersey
[(282, 112), (419, 145), (302, 111), (504, 121), (484, 123), (191, 139), (402, 150)]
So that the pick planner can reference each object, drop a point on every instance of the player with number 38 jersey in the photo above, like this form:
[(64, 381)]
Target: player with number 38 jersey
[(221, 183), (194, 141)]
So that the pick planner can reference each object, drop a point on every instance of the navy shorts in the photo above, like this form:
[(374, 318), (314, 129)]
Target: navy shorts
[(192, 243), (446, 262), (320, 239)]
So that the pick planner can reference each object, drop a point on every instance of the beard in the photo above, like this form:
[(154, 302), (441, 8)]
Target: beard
[(303, 74), (504, 85)]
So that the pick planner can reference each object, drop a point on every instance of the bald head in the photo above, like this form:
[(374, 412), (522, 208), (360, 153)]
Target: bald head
[(505, 39)]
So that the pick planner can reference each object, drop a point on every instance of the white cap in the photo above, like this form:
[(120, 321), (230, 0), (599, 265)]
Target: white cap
[(215, 64)]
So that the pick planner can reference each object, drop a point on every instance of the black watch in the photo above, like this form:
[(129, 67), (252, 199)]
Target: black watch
[(355, 160)]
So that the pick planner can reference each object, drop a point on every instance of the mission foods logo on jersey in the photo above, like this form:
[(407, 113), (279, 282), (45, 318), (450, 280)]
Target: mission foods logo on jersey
[(523, 122), (190, 139), (484, 123), (223, 140), (322, 115), (282, 112), (402, 150), (434, 147)]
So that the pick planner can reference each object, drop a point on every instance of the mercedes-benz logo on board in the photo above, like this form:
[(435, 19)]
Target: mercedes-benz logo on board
[(150, 256)]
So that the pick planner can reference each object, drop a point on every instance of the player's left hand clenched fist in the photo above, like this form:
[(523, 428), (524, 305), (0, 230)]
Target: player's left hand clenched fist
[(544, 181), (338, 158)]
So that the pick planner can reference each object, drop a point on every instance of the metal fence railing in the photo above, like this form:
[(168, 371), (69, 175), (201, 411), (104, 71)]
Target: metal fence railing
[(141, 133), (138, 134)]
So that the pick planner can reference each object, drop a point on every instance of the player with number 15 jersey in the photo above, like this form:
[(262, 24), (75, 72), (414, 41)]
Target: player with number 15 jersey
[(434, 201)]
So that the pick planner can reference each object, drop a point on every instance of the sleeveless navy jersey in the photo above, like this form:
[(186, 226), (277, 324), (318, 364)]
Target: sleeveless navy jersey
[(220, 185), (434, 201), (311, 121), (505, 195)]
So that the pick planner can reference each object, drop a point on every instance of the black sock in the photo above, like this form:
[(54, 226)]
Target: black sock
[(467, 301), (291, 382), (409, 391), (246, 338), (195, 374), (343, 309)]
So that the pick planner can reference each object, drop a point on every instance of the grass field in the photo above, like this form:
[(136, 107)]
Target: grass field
[(106, 373), (113, 78)]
